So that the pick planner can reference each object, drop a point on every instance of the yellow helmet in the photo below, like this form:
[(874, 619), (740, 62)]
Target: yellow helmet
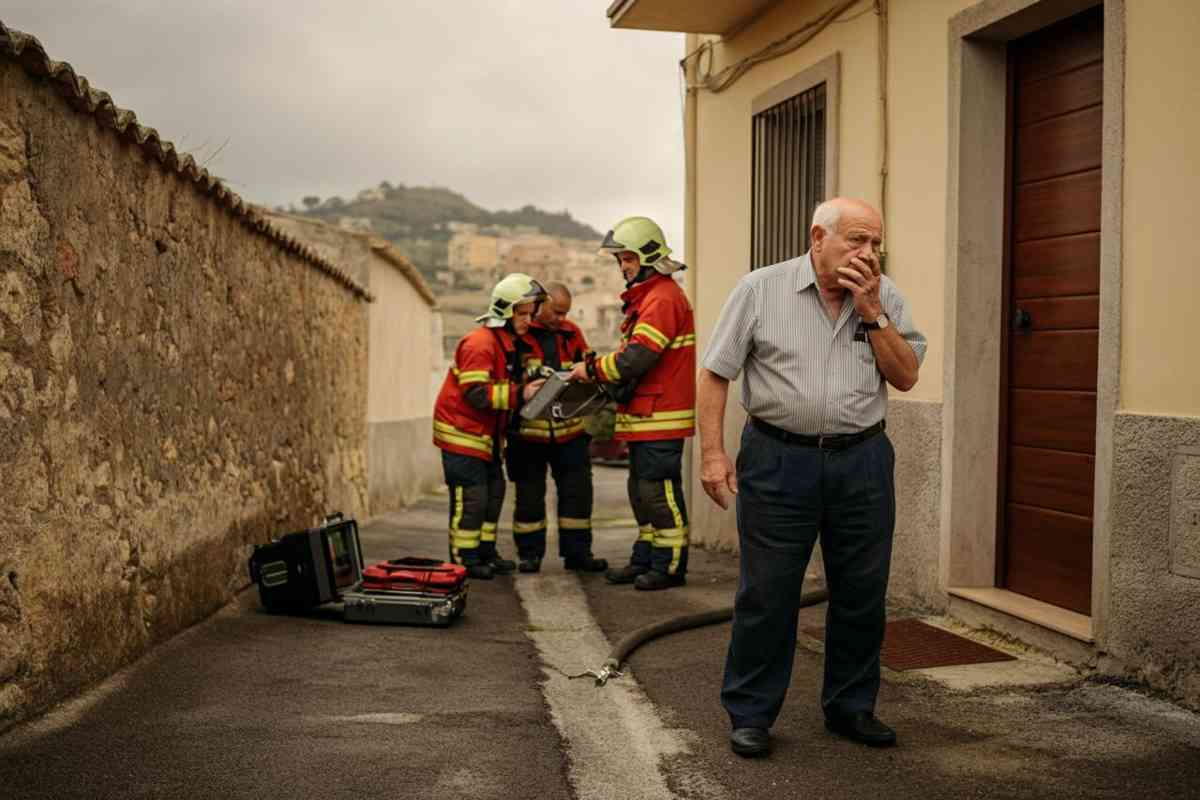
[(510, 292), (641, 235)]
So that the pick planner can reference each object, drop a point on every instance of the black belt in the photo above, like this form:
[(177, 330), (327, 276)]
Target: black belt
[(828, 441)]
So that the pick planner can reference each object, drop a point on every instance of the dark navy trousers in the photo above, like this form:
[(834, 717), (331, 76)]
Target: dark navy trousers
[(789, 496)]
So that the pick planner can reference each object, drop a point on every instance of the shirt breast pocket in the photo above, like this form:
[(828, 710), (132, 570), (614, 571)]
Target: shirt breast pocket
[(864, 372)]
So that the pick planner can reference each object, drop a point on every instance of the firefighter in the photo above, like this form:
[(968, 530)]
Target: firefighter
[(562, 445), (481, 388), (652, 375)]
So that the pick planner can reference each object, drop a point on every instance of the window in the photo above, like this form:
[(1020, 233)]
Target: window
[(793, 167)]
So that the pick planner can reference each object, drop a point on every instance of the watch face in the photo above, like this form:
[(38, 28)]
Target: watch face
[(883, 321)]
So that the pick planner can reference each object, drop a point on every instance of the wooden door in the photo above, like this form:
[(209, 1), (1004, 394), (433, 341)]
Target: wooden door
[(1052, 285)]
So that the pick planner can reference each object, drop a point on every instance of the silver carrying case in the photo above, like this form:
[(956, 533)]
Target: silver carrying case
[(560, 399), (404, 608)]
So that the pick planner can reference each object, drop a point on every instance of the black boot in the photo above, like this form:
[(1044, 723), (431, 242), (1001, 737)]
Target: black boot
[(653, 581), (585, 564), (501, 566), (530, 565), (626, 574), (480, 572)]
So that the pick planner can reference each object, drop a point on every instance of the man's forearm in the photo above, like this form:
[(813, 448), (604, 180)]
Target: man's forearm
[(895, 358), (711, 393)]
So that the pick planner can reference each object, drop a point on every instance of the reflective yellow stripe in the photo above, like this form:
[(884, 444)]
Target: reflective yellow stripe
[(500, 396), (473, 376), (488, 534), (528, 527), (574, 523), (646, 533), (674, 538), (449, 434), (683, 341), (669, 489), (464, 540), (652, 333), (671, 537), (608, 367), (658, 421), (541, 428), (456, 520), (460, 539)]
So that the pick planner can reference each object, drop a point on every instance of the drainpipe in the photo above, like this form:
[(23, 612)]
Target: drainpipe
[(881, 10), (692, 98)]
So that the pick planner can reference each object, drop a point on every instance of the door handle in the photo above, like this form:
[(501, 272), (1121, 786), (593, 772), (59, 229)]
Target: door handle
[(1021, 320)]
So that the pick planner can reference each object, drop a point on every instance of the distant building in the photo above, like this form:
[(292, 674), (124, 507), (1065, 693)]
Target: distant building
[(472, 253), (599, 314)]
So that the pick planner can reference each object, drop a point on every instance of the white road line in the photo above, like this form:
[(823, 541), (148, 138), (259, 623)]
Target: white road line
[(615, 739)]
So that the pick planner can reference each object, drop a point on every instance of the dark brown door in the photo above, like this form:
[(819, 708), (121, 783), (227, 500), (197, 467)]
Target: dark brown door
[(1052, 285)]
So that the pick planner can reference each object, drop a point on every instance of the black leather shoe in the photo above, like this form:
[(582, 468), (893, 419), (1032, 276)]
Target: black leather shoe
[(480, 572), (653, 581), (626, 574), (862, 727), (750, 742), (530, 565), (587, 564), (502, 566)]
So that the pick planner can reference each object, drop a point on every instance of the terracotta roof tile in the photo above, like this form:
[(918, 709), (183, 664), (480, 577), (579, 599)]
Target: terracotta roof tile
[(28, 52)]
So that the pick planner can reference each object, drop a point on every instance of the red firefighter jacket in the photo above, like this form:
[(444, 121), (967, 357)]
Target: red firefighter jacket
[(569, 347), (486, 361), (658, 318)]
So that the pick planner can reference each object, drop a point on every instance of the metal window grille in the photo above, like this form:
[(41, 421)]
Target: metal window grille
[(789, 176)]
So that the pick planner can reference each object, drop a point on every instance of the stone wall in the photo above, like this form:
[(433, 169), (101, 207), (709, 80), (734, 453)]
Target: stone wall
[(405, 362), (175, 384)]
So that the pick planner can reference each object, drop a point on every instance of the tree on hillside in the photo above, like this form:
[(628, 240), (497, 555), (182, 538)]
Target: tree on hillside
[(311, 202)]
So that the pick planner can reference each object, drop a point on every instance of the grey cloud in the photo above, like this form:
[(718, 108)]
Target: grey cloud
[(524, 101)]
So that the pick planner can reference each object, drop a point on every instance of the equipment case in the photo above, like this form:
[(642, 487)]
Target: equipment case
[(405, 608), (560, 399), (304, 569), (308, 568)]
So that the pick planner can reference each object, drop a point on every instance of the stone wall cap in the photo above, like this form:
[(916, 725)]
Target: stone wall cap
[(377, 244), (28, 53)]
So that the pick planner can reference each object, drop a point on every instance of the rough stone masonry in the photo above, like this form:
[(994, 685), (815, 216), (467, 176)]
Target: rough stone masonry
[(174, 386)]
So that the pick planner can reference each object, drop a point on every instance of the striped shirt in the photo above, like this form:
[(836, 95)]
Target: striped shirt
[(805, 373)]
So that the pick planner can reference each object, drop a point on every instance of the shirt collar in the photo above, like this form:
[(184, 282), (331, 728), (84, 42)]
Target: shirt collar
[(805, 276)]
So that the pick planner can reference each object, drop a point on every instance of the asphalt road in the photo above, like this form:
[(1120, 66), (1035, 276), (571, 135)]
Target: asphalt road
[(249, 704)]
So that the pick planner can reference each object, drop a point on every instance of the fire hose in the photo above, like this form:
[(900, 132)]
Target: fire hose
[(611, 668)]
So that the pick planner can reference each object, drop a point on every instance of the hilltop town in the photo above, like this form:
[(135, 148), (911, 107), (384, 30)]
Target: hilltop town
[(461, 249)]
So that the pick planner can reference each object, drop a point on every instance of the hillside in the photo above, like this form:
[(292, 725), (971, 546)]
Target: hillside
[(415, 218)]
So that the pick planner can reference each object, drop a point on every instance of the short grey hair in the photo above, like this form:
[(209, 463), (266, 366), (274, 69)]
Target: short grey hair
[(828, 215)]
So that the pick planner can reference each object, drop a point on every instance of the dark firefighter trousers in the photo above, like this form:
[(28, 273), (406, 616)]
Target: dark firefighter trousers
[(656, 495), (476, 495), (571, 466)]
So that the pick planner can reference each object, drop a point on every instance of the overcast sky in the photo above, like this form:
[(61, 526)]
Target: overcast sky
[(507, 101)]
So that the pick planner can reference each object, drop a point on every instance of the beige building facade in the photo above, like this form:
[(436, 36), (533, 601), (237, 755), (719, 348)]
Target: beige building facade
[(1035, 162)]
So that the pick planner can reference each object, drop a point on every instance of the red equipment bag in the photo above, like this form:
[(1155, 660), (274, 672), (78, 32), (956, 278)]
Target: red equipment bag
[(414, 574)]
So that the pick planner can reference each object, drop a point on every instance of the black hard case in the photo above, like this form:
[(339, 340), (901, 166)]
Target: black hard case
[(304, 569)]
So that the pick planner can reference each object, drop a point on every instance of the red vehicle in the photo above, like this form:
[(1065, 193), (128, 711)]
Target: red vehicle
[(609, 451)]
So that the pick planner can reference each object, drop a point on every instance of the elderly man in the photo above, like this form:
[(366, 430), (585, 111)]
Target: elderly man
[(819, 338)]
